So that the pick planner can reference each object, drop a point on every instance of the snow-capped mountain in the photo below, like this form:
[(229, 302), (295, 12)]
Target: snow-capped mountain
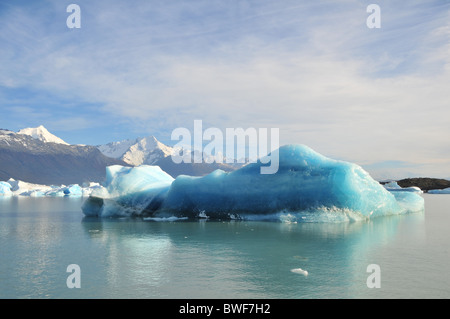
[(30, 159), (42, 134), (37, 156), (150, 151), (146, 150)]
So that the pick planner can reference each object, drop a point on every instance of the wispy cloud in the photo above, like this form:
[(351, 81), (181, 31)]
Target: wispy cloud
[(312, 69)]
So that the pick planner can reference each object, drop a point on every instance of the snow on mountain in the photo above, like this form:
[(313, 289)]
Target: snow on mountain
[(116, 149), (42, 134), (146, 150), (149, 151), (26, 158)]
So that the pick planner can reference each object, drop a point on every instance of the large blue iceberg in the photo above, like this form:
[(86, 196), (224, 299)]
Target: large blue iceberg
[(307, 187)]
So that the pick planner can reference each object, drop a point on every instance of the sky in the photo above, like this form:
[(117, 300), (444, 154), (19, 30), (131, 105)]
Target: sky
[(378, 97)]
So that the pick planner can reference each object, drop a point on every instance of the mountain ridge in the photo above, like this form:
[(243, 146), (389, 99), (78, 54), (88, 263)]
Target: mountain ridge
[(42, 134), (142, 150), (25, 158), (149, 151), (37, 156)]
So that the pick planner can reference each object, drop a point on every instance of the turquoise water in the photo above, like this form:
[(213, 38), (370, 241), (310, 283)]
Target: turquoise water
[(134, 258)]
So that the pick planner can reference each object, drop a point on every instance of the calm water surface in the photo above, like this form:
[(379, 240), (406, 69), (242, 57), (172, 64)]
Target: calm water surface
[(133, 258)]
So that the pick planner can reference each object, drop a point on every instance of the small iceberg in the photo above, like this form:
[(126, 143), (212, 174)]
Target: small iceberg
[(439, 191), (24, 189), (73, 190), (5, 189), (306, 184), (164, 219), (394, 187), (299, 271)]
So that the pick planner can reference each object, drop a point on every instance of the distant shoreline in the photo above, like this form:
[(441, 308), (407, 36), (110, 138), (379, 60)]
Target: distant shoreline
[(424, 183)]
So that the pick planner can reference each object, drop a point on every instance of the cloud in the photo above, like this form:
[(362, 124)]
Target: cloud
[(313, 70)]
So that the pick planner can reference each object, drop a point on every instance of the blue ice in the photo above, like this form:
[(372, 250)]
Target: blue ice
[(5, 189), (73, 190), (129, 191), (307, 187)]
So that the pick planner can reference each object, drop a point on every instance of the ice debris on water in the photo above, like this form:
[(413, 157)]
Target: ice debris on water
[(299, 271), (5, 189), (394, 187), (24, 189), (440, 191)]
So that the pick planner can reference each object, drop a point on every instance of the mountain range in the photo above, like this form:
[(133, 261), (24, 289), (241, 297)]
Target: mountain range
[(150, 151), (139, 151), (42, 134), (36, 156)]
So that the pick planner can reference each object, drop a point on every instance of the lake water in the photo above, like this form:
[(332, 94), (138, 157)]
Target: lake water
[(134, 258)]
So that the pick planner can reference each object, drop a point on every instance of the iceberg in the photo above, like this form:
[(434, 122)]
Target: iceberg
[(129, 191), (439, 191), (25, 189), (73, 190), (394, 187), (5, 189), (89, 188), (299, 271), (20, 188), (307, 187), (53, 192)]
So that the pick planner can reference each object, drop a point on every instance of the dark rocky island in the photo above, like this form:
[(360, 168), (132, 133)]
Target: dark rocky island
[(424, 183)]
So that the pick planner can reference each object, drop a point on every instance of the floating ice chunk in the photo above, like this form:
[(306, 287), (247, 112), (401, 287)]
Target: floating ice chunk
[(305, 182), (165, 219), (299, 271), (91, 189), (439, 191), (21, 188), (202, 215), (35, 193), (99, 192), (73, 190), (129, 191), (409, 201), (394, 187), (56, 192), (5, 189)]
